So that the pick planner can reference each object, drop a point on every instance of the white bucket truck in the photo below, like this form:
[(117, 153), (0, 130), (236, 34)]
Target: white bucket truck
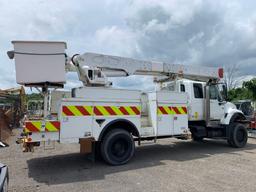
[(188, 101)]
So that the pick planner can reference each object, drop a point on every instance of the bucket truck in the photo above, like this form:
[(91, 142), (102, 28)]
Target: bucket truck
[(188, 102)]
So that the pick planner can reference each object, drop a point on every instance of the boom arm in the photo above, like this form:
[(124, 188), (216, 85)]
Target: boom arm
[(114, 66)]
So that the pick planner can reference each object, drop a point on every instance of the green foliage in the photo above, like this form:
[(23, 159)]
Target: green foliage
[(238, 94), (247, 91), (251, 87), (34, 96)]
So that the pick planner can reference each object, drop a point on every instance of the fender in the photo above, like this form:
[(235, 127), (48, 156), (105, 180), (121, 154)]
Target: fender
[(230, 110), (123, 123), (232, 116)]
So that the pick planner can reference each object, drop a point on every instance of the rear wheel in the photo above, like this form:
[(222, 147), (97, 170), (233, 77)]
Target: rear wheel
[(97, 150), (117, 147), (238, 136), (230, 142), (197, 139)]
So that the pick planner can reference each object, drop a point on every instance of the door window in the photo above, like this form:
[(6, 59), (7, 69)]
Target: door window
[(182, 88), (198, 90), (213, 92)]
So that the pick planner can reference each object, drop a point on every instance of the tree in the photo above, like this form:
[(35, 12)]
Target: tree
[(251, 87), (230, 76), (34, 96), (239, 93), (247, 91)]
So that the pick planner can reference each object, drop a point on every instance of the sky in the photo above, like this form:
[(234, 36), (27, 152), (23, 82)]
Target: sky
[(193, 32)]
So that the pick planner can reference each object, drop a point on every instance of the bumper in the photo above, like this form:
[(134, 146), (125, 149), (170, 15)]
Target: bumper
[(4, 178)]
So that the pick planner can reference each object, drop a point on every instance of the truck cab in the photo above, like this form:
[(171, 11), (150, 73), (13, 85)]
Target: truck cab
[(209, 114)]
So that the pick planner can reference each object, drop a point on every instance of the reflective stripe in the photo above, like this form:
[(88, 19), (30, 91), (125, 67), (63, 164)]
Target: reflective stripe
[(129, 110), (36, 126), (85, 110), (52, 126), (72, 110), (123, 111), (114, 110), (170, 110), (181, 110), (176, 110), (102, 110), (33, 126), (66, 111), (136, 110), (117, 110)]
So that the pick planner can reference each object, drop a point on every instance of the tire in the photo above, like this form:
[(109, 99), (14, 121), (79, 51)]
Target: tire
[(117, 147), (97, 150), (230, 142), (197, 139), (238, 135)]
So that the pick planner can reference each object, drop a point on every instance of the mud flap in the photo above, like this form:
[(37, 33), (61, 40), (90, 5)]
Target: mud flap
[(88, 148)]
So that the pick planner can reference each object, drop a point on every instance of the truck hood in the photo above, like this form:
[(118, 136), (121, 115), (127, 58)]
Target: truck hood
[(231, 108)]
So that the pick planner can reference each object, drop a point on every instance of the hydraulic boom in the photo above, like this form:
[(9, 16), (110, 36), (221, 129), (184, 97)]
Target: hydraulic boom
[(94, 68)]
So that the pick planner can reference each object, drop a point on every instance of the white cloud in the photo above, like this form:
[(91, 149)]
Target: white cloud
[(134, 82), (212, 33), (116, 41)]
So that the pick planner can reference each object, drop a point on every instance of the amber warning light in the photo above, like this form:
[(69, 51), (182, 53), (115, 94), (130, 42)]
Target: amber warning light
[(221, 72)]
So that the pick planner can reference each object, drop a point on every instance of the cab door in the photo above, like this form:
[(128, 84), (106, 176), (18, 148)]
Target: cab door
[(216, 103)]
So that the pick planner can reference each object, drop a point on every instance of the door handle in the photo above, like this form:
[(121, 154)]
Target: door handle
[(175, 118)]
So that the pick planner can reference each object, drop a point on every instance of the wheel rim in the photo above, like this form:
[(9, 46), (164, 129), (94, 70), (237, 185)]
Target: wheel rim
[(240, 136), (119, 148)]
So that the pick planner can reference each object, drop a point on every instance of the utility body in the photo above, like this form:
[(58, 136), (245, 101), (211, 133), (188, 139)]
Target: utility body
[(187, 102)]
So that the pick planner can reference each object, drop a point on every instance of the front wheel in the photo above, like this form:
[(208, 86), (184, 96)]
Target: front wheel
[(238, 135), (117, 147)]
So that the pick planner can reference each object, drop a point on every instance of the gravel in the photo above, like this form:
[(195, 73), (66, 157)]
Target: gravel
[(169, 165)]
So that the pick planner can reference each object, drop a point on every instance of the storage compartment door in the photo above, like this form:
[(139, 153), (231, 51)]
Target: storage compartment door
[(76, 122), (165, 120), (180, 119)]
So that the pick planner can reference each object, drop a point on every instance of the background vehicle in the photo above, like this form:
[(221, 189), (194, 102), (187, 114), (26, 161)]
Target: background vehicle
[(4, 178), (188, 101), (245, 106)]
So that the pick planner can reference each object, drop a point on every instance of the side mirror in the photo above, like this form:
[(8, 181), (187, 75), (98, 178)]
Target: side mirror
[(10, 54)]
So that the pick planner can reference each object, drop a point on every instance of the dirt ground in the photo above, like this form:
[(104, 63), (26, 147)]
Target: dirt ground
[(169, 165)]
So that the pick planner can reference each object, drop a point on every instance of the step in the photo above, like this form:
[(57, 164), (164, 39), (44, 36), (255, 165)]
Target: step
[(145, 121), (146, 131)]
